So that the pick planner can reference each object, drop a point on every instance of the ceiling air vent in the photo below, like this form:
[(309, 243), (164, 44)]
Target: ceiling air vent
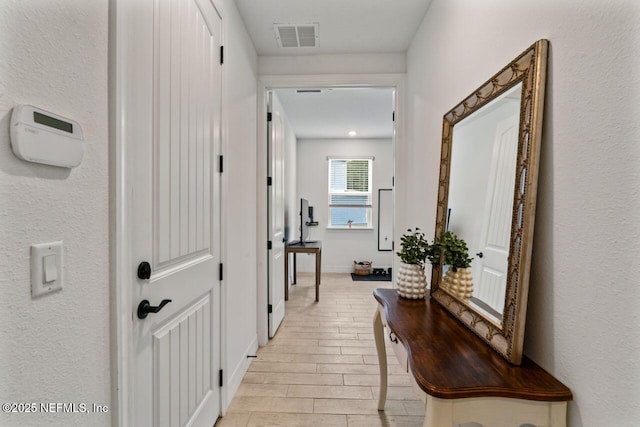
[(296, 35)]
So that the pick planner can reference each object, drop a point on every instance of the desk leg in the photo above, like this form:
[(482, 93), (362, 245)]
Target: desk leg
[(378, 334), (318, 274), (286, 276), (295, 279)]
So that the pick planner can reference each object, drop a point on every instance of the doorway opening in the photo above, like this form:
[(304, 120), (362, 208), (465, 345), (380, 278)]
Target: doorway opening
[(328, 131)]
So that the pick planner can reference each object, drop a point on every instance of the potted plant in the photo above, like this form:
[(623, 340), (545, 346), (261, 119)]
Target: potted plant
[(414, 248), (455, 255), (349, 222)]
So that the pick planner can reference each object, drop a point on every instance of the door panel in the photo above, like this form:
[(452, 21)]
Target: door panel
[(183, 378), (496, 229), (175, 203), (276, 143), (183, 169)]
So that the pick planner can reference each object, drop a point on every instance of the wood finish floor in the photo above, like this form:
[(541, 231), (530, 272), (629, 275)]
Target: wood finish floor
[(321, 369)]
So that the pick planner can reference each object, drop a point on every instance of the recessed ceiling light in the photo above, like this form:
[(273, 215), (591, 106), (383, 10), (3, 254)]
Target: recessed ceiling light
[(352, 133)]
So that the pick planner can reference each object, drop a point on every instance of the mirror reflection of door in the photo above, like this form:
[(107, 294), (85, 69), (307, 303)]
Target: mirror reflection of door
[(490, 268), (483, 165)]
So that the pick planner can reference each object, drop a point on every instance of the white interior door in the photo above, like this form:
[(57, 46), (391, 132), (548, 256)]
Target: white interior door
[(172, 140), (491, 268), (276, 220)]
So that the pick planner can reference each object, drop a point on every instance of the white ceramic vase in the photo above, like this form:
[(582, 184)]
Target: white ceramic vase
[(458, 283), (411, 283)]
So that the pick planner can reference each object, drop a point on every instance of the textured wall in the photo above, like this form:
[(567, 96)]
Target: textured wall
[(365, 63), (55, 348), (582, 321)]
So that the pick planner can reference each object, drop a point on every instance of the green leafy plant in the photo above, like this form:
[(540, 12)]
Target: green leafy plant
[(456, 253), (414, 247)]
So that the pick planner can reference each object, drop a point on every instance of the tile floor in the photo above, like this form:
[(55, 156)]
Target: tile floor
[(321, 369)]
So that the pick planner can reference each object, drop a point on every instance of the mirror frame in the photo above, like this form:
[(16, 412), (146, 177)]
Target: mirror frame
[(530, 69)]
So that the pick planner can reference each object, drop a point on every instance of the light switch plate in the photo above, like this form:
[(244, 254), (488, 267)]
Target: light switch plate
[(39, 285)]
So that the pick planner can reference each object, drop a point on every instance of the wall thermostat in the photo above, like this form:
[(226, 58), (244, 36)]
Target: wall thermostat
[(43, 137)]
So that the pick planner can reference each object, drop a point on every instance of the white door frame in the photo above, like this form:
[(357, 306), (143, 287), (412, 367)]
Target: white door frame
[(121, 263), (268, 82)]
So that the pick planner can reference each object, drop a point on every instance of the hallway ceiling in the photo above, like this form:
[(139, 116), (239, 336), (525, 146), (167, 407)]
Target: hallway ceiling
[(345, 26), (332, 113)]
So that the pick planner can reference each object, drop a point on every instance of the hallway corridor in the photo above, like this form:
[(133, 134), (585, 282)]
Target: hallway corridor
[(321, 369)]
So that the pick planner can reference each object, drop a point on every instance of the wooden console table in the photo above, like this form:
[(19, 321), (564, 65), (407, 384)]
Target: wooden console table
[(459, 378), (308, 248)]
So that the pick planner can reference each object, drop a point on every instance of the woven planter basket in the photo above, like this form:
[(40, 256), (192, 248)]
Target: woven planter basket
[(362, 268)]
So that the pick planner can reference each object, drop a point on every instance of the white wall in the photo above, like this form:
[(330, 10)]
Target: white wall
[(55, 348), (341, 247), (582, 323), (239, 203), (366, 63)]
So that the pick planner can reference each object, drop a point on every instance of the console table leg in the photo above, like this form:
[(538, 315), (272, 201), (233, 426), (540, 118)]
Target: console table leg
[(378, 334)]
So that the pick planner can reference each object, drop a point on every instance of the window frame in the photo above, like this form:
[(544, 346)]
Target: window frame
[(369, 194)]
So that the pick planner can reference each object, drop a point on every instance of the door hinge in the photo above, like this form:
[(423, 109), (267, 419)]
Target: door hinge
[(220, 272), (221, 163), (269, 117), (221, 55), (393, 116), (269, 181), (269, 244), (269, 309), (393, 181), (220, 378)]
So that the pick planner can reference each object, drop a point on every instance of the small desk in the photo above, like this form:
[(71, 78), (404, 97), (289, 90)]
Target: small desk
[(459, 378), (307, 248)]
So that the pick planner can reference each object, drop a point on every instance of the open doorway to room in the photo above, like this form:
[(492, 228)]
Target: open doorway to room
[(333, 149)]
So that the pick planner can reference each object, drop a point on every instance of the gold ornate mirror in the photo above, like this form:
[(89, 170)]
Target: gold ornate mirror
[(487, 197)]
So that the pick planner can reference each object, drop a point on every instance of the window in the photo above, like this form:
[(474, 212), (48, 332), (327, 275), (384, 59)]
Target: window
[(350, 197)]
